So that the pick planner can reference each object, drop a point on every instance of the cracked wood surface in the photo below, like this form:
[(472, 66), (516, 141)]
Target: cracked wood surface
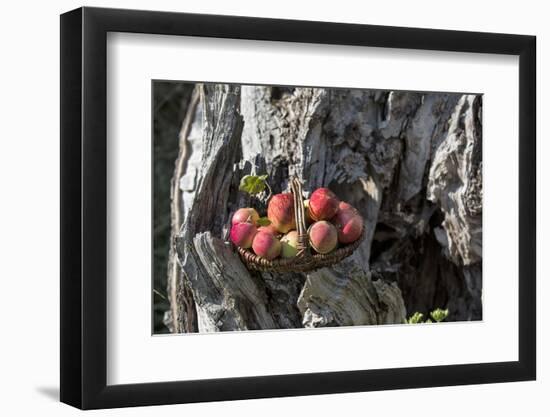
[(410, 163)]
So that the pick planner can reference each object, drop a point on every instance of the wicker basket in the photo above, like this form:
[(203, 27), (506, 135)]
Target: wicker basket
[(305, 260)]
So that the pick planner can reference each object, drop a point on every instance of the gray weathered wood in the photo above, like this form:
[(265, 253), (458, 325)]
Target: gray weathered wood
[(388, 154)]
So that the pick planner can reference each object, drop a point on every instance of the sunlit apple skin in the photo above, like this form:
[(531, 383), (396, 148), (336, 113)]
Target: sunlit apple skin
[(323, 236), (266, 245), (242, 234), (280, 211), (289, 244), (323, 204), (268, 229), (348, 222), (245, 215)]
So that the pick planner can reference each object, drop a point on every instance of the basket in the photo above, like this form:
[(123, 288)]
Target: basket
[(304, 260)]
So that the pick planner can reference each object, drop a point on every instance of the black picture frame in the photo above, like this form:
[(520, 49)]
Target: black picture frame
[(84, 207)]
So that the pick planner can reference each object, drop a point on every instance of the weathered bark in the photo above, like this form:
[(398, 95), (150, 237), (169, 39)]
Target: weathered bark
[(430, 244), (182, 304), (170, 103), (388, 154)]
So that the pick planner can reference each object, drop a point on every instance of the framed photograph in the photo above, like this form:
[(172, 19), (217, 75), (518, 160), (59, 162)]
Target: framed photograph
[(258, 208)]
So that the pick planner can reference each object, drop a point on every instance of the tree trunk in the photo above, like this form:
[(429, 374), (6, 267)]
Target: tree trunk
[(410, 162)]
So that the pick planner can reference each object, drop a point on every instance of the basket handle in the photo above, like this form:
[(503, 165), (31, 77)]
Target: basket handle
[(299, 213)]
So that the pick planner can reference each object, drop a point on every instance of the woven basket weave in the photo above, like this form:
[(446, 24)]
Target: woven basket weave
[(305, 260)]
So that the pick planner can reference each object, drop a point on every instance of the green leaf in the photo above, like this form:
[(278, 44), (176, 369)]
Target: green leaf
[(415, 318), (264, 221), (439, 315), (253, 184)]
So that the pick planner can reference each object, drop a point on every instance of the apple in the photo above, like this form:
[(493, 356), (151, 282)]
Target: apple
[(323, 236), (348, 222), (268, 229), (266, 245), (289, 244), (280, 211), (245, 215), (242, 234), (323, 204)]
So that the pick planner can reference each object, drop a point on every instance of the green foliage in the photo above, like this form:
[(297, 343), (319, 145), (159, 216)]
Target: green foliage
[(253, 184), (264, 221), (438, 315), (415, 318)]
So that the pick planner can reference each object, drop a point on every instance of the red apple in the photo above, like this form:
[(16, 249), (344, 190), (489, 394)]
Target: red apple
[(323, 236), (242, 234), (266, 245), (245, 215), (289, 244), (280, 211), (348, 222), (323, 204), (268, 229)]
